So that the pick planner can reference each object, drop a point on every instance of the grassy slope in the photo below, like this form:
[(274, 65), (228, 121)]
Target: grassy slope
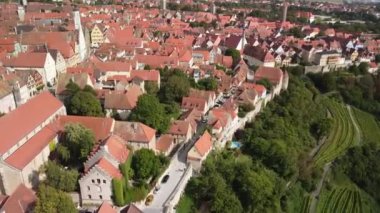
[(368, 126), (342, 136)]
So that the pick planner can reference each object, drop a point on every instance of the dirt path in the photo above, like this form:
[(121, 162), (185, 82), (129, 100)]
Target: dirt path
[(314, 195), (353, 119)]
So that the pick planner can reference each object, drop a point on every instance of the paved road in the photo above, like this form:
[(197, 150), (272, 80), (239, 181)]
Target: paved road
[(175, 171)]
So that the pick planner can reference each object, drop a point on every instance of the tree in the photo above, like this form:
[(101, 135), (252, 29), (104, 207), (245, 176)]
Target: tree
[(60, 178), (208, 84), (150, 112), (151, 87), (363, 68), (266, 83), (377, 58), (235, 54), (175, 88), (79, 141), (145, 164), (51, 200), (85, 104)]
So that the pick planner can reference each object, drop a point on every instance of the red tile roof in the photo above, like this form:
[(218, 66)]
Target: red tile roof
[(31, 60), (27, 152), (22, 200), (179, 127), (106, 208), (203, 144), (274, 75), (146, 75), (134, 131), (121, 100), (164, 142), (102, 127), (107, 167), (17, 124), (116, 147), (192, 102)]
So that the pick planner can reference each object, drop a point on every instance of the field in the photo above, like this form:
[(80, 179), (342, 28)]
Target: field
[(342, 135), (368, 126)]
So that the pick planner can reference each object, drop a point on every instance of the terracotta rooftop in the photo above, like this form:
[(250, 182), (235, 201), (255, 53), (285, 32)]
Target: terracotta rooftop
[(164, 143), (117, 148), (30, 60), (106, 208), (22, 200), (179, 127), (17, 124), (131, 209), (122, 100), (274, 75), (134, 131), (107, 167), (102, 127), (27, 152), (203, 144)]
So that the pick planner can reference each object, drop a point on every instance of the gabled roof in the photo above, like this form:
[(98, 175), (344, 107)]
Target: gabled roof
[(134, 131), (122, 100), (21, 200), (146, 75), (116, 147), (203, 144), (102, 127), (17, 124), (179, 127), (81, 79), (164, 142), (274, 75), (110, 169), (131, 209), (106, 208), (27, 152), (31, 60), (193, 102)]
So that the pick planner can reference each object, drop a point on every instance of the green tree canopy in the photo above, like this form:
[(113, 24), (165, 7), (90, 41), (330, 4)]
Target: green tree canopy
[(150, 112), (145, 164), (151, 87), (207, 84), (60, 178), (176, 87), (77, 144), (51, 200), (235, 54), (86, 104)]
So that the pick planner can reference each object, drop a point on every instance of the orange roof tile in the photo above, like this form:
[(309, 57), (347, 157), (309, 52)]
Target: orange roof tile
[(17, 124), (164, 143), (203, 144), (179, 127), (107, 167), (27, 152), (106, 208), (102, 127), (30, 59), (116, 147), (21, 200), (134, 131)]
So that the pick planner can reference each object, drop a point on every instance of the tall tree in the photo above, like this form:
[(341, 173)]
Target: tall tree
[(51, 200), (86, 104), (145, 164), (175, 88), (150, 112), (79, 141)]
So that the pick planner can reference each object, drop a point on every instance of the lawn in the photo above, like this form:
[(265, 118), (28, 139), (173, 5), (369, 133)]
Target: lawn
[(368, 126), (342, 135), (185, 205)]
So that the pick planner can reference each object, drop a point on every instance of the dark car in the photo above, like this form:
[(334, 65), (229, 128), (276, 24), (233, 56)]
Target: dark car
[(165, 179)]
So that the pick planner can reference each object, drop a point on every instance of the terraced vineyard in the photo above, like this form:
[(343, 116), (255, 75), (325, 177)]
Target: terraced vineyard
[(368, 126), (343, 200), (306, 204), (342, 135)]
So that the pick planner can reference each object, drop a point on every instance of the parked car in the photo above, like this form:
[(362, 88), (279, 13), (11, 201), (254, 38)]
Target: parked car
[(165, 179), (149, 200)]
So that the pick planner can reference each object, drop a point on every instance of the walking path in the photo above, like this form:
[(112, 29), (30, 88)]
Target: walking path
[(359, 135)]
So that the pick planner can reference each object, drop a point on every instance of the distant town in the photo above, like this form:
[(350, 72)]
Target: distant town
[(189, 106)]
